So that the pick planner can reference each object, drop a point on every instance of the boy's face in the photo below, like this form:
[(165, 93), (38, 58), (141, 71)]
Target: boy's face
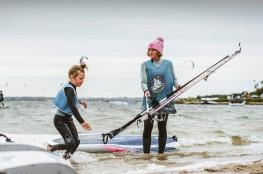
[(153, 54), (79, 79)]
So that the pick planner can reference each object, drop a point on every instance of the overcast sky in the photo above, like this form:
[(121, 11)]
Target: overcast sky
[(40, 40)]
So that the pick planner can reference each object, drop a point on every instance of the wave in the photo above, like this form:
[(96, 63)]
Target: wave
[(206, 140)]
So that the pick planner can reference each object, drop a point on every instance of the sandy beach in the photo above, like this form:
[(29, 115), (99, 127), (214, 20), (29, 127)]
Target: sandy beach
[(255, 167)]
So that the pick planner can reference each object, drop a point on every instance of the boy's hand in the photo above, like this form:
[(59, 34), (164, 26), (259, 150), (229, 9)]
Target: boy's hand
[(86, 126), (83, 103)]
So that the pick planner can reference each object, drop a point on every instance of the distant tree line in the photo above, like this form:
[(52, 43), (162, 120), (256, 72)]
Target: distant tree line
[(258, 90)]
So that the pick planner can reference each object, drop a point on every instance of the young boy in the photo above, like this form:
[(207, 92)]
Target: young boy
[(67, 102)]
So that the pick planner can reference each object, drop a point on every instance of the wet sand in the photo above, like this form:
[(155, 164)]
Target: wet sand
[(255, 167)]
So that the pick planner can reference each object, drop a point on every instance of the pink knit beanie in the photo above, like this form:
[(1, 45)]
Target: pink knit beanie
[(157, 44)]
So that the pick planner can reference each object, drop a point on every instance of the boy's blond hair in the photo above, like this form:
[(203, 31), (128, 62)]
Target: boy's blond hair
[(75, 69)]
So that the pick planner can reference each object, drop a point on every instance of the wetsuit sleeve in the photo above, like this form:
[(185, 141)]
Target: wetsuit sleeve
[(70, 96), (143, 78), (174, 77)]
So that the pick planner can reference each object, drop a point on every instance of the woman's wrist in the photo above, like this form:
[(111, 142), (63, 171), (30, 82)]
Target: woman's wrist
[(146, 90)]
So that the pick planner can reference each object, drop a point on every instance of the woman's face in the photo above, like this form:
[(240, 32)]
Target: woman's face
[(153, 54), (78, 80)]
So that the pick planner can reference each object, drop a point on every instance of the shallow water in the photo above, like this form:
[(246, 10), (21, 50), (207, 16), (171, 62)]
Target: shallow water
[(209, 135)]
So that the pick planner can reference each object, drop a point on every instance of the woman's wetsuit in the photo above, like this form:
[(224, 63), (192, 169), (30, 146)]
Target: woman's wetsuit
[(158, 78)]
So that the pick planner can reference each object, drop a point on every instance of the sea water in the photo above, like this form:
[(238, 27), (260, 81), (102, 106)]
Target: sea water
[(209, 135)]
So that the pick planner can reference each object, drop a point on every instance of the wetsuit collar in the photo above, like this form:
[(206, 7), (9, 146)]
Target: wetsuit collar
[(72, 85)]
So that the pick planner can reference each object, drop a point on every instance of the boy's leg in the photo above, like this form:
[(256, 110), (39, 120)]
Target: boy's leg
[(63, 129), (75, 136)]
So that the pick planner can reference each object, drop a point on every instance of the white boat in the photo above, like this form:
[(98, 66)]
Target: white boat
[(92, 143), (122, 103), (16, 158), (209, 100), (209, 103)]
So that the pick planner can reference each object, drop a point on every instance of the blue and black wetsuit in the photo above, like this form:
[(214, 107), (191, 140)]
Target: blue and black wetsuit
[(66, 101)]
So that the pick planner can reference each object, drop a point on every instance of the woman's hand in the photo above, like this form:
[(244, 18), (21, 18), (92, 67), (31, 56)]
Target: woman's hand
[(178, 87), (147, 93), (86, 126), (83, 103)]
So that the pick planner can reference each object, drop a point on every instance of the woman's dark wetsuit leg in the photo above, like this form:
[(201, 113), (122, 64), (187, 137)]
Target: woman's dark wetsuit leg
[(68, 131), (147, 134), (162, 132), (148, 126)]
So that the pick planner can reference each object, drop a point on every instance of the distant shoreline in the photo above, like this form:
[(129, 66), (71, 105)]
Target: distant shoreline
[(185, 101), (217, 103)]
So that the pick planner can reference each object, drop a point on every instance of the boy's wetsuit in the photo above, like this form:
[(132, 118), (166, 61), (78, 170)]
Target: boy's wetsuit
[(65, 125)]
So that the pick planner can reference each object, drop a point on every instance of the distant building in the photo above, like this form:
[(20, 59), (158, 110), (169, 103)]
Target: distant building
[(236, 99), (261, 96)]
